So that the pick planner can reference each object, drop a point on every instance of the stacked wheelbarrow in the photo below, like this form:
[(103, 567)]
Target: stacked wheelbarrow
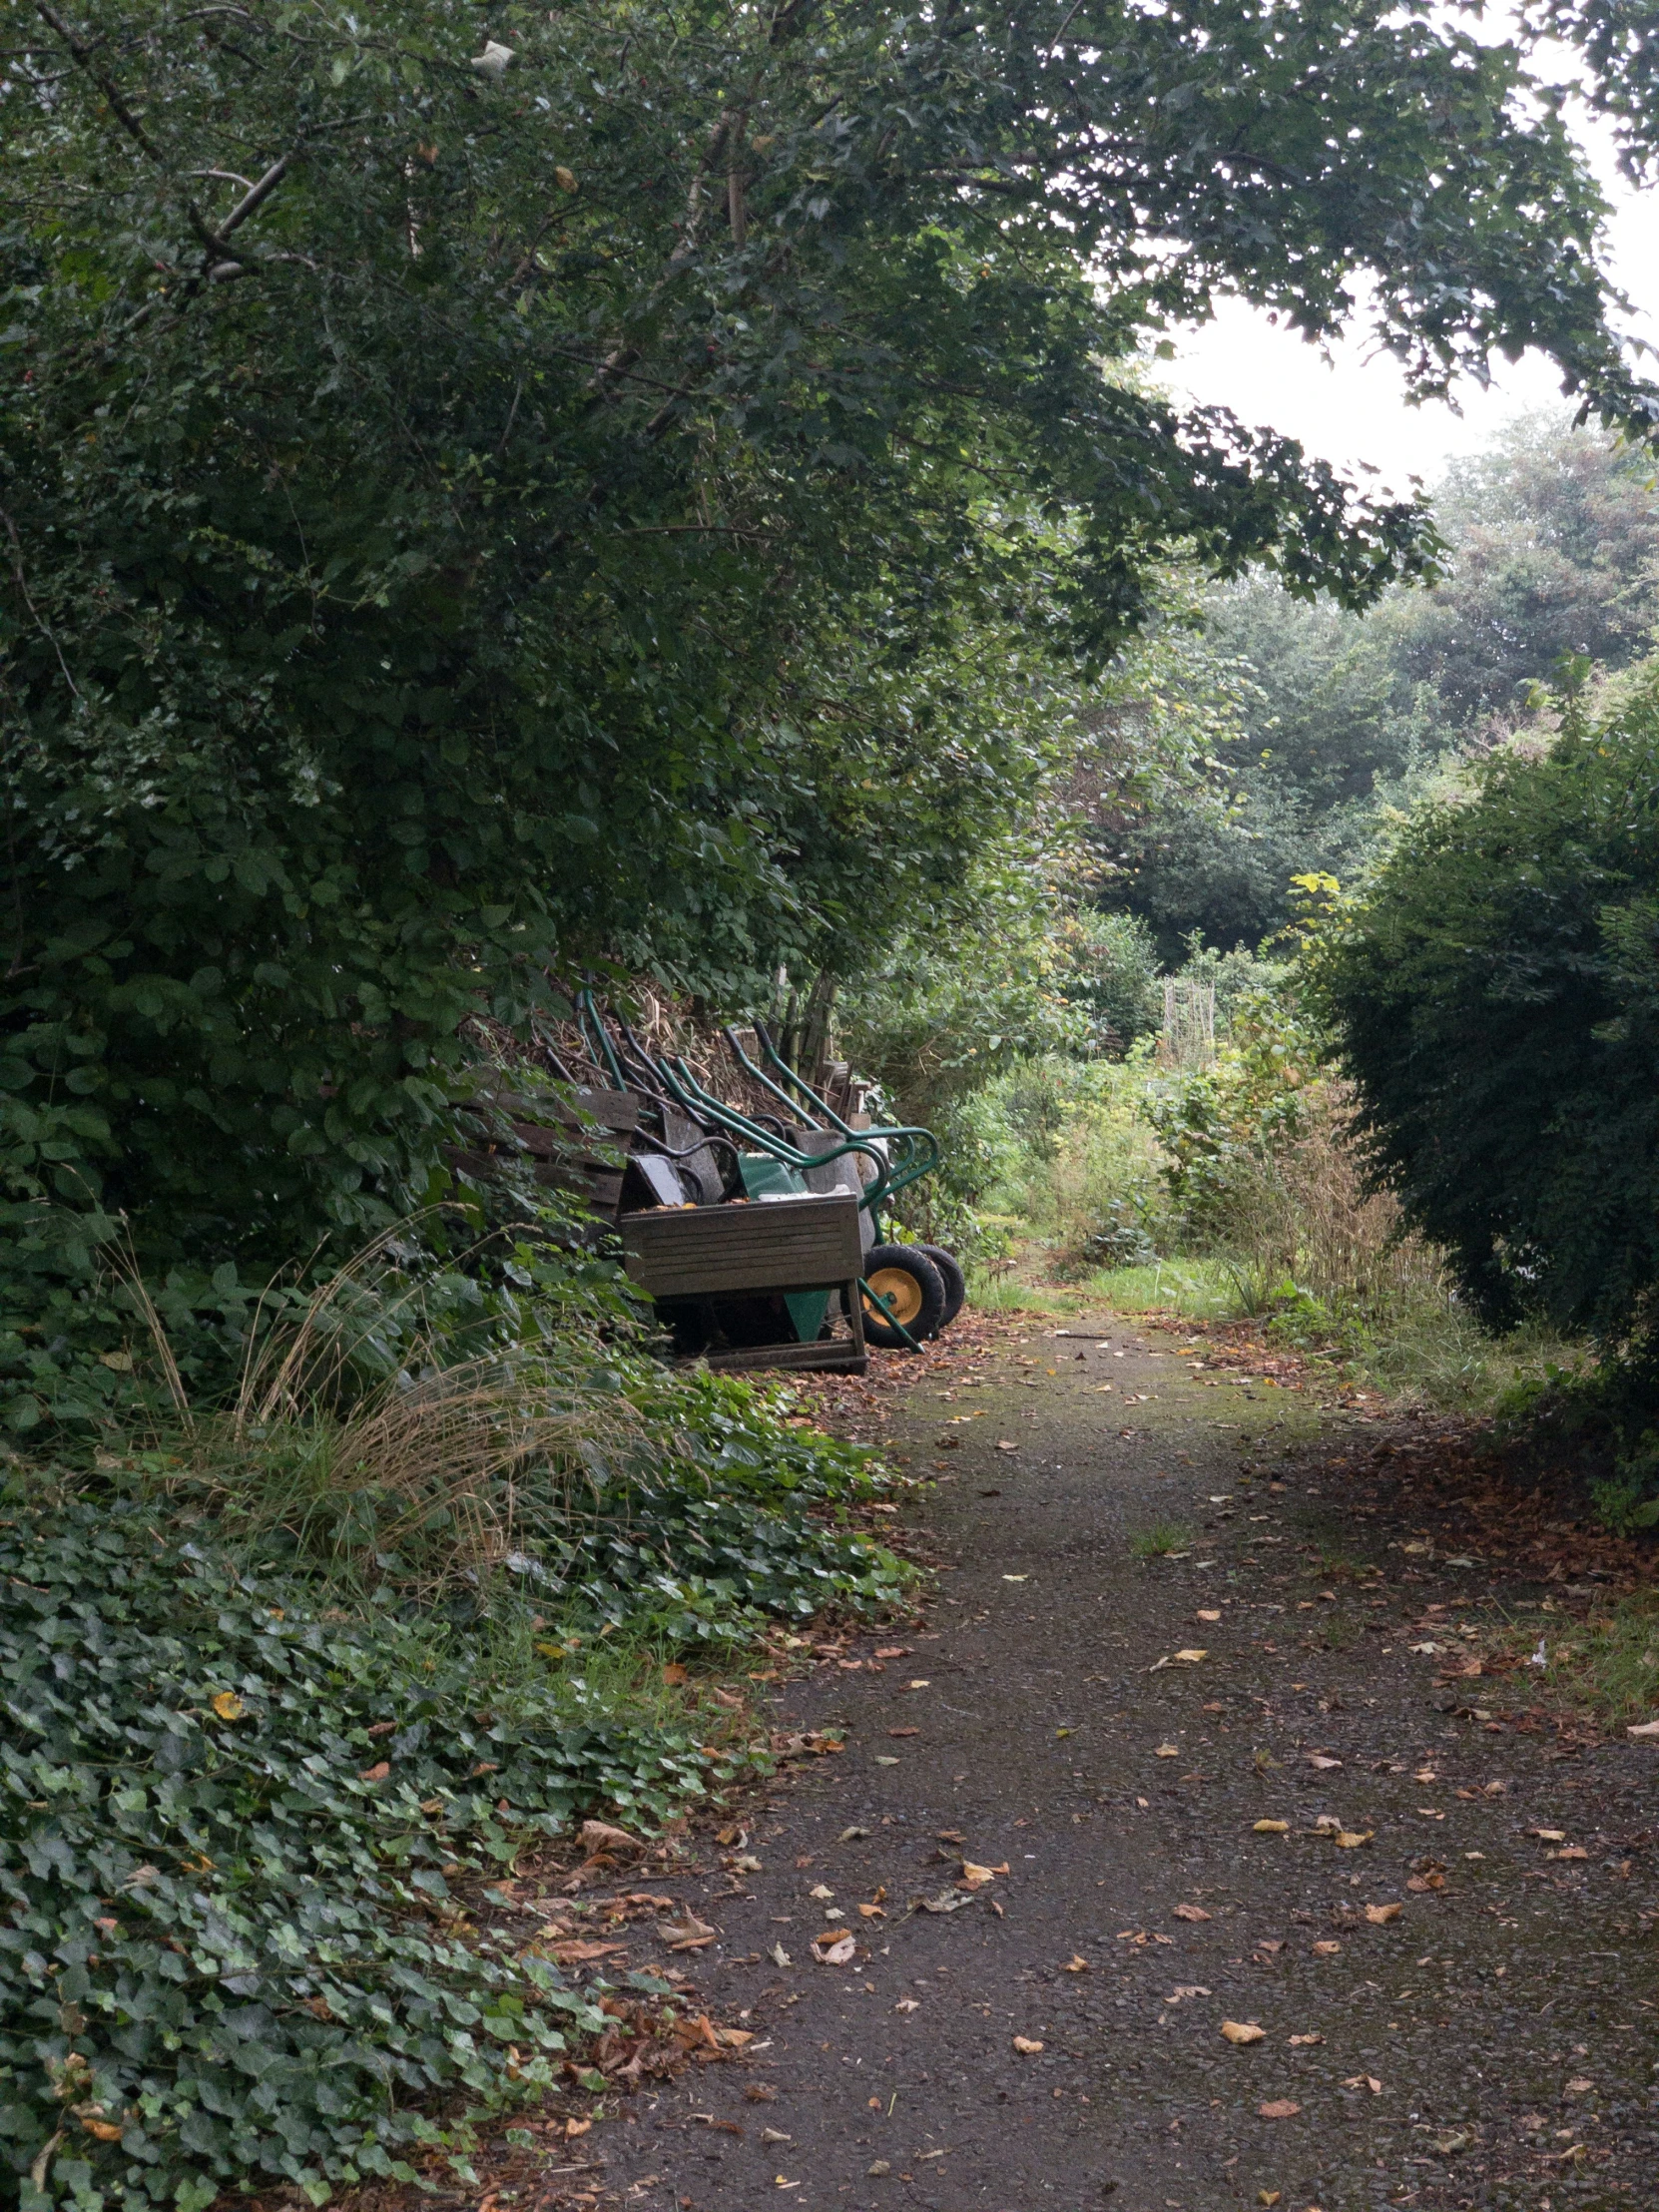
[(756, 1230)]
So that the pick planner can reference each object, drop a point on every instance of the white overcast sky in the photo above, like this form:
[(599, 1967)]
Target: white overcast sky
[(1350, 408)]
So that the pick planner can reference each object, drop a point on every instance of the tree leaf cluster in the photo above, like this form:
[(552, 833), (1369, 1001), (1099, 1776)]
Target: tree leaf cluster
[(628, 500)]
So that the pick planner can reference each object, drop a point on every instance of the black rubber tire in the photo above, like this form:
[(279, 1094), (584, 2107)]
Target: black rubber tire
[(954, 1280), (919, 1302)]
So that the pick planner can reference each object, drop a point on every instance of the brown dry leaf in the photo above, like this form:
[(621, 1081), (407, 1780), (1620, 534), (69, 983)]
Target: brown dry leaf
[(1381, 1915), (1241, 2031), (903, 1731), (1579, 2087), (1076, 1964), (1190, 1658), (1190, 1913), (1350, 1839), (835, 1948), (1327, 1950), (1649, 1728), (893, 1651), (579, 1953), (1271, 1828), (600, 1835), (691, 1933), (1302, 2042), (975, 1878), (1167, 1751), (573, 2128), (1319, 1760), (229, 1707), (377, 1773), (1573, 1851), (1206, 1615), (872, 1913), (674, 1675), (1279, 2108), (1026, 2048), (1268, 2196)]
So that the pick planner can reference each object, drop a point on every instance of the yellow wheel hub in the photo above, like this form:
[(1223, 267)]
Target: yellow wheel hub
[(901, 1290)]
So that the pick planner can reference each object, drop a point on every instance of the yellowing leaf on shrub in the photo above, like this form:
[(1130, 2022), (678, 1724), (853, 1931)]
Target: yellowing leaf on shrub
[(229, 1705)]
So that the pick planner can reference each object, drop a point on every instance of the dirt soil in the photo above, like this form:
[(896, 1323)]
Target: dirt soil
[(1272, 1896)]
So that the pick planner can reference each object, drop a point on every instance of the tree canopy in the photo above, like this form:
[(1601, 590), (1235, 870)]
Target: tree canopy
[(484, 489)]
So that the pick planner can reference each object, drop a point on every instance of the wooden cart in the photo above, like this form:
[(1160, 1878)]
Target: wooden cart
[(792, 1253)]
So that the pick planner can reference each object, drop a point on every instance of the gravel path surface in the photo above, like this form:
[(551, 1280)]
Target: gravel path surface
[(1445, 1937)]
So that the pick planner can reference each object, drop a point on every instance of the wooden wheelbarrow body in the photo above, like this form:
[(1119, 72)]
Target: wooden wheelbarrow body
[(793, 1251)]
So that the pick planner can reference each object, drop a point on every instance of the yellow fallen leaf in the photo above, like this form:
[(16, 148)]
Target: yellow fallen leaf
[(1241, 2031), (1167, 1751), (1268, 2196), (1202, 1615), (1348, 1839), (1191, 1658), (1076, 1964), (975, 1878), (872, 1913), (229, 1705), (1271, 1828), (1302, 2042), (1026, 2048), (1381, 1915), (1327, 1950), (574, 2129)]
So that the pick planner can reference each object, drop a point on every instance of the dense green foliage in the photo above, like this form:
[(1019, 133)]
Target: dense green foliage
[(244, 1802), (624, 498), (1494, 998), (1337, 720)]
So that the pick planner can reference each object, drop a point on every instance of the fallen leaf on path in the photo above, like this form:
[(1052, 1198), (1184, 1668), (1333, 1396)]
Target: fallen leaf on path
[(1301, 2042), (1644, 1728), (1026, 2046), (1363, 2081), (1016, 1578), (1076, 1964), (1573, 1851), (1381, 1915), (819, 1890), (1190, 1658), (1206, 1616), (872, 1913), (1279, 2108), (1242, 2032), (1350, 1839), (835, 1948), (893, 1651), (1004, 1445), (947, 1900), (903, 1731), (1268, 2196), (1319, 1760), (1327, 1950), (921, 1682), (1579, 2087), (975, 1878), (907, 2004), (775, 2135), (579, 1953), (779, 1955), (1190, 1913), (1167, 1751), (1550, 1835), (1271, 1828)]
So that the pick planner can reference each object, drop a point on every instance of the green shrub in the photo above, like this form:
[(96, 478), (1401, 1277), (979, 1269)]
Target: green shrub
[(1496, 998)]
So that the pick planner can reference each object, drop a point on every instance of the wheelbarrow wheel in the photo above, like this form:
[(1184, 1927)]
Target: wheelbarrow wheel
[(913, 1289), (954, 1280)]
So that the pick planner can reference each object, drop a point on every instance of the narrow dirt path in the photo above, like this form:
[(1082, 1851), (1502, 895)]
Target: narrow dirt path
[(1446, 1937)]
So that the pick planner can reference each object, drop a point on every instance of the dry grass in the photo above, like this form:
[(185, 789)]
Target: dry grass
[(433, 1476)]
